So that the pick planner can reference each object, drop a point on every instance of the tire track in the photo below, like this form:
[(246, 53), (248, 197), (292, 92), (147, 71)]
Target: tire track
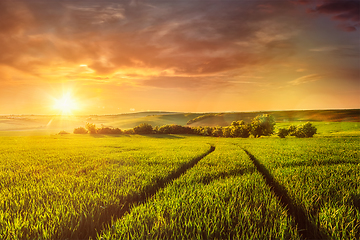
[(113, 212), (306, 228)]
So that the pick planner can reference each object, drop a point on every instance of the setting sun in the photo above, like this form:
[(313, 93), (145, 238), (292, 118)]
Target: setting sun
[(66, 104)]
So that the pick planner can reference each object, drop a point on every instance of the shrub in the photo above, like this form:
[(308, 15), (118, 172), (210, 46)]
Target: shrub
[(143, 128), (165, 129), (242, 131), (116, 131), (262, 125), (80, 130), (63, 132), (283, 132), (108, 130), (237, 123), (217, 132), (292, 130), (206, 131), (226, 132), (178, 129), (129, 131), (305, 131), (91, 128)]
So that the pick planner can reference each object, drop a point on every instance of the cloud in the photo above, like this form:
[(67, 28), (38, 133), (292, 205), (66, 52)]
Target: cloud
[(339, 50), (306, 79), (191, 38), (344, 9), (341, 10), (187, 83), (324, 49)]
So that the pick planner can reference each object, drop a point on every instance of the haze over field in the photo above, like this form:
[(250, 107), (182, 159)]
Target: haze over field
[(108, 57)]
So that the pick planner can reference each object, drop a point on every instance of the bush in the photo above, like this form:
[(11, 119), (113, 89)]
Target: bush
[(129, 131), (116, 131), (206, 131), (217, 132), (292, 130), (240, 129), (63, 132), (143, 128), (226, 132), (108, 130), (165, 129), (263, 125), (178, 129), (283, 132), (80, 130), (91, 128), (305, 131)]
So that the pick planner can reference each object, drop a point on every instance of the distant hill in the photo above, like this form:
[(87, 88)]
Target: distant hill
[(225, 119), (157, 118)]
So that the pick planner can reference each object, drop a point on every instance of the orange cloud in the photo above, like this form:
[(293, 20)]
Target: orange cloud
[(306, 79)]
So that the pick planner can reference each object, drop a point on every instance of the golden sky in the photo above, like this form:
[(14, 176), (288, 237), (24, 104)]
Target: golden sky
[(108, 57)]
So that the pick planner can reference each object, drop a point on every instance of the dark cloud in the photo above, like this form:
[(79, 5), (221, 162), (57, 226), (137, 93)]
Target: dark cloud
[(342, 10)]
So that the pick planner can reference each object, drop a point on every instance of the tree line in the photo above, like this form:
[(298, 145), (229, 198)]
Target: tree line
[(262, 125)]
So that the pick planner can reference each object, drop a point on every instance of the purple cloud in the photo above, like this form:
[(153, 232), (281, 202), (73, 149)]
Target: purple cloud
[(342, 10)]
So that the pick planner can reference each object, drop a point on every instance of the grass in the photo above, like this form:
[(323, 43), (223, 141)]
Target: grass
[(176, 186), (67, 187), (222, 197), (320, 175)]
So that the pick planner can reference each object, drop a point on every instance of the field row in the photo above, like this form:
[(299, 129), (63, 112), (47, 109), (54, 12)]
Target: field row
[(222, 197), (179, 187), (320, 176), (57, 188)]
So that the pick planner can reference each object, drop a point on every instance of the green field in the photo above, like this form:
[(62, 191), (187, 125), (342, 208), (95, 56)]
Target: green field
[(181, 186)]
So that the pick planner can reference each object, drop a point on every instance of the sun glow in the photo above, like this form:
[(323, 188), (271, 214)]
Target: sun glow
[(66, 104)]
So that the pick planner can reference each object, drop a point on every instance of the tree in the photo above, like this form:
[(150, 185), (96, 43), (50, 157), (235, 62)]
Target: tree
[(263, 125)]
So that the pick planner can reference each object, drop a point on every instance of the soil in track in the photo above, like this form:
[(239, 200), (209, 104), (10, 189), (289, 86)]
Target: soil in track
[(116, 212), (306, 228)]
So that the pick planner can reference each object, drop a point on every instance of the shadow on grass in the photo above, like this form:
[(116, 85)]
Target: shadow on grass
[(164, 136), (356, 201), (89, 229), (306, 228), (98, 135)]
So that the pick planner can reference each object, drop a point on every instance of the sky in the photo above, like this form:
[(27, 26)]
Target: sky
[(110, 57)]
